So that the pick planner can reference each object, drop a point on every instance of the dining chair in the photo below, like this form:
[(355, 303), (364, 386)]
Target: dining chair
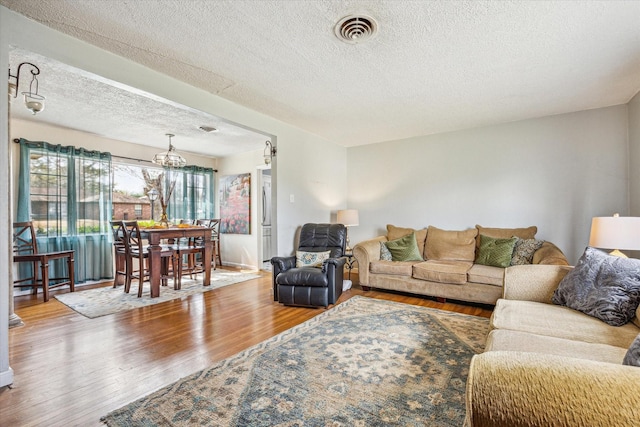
[(120, 252), (214, 225), (189, 247), (135, 250), (25, 250)]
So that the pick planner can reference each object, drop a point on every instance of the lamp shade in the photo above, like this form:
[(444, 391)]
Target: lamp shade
[(615, 232), (348, 217)]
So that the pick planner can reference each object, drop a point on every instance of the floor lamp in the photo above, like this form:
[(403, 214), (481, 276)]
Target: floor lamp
[(349, 218)]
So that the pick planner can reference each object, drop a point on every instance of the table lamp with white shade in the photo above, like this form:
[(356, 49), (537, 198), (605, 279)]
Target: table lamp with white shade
[(615, 232), (349, 218)]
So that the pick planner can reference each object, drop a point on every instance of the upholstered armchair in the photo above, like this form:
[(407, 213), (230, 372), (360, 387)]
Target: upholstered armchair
[(314, 276)]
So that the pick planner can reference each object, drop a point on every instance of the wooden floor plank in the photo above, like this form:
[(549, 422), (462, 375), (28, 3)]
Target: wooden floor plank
[(71, 370)]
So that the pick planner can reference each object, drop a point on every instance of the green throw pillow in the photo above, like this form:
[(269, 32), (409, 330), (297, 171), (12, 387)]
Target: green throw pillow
[(405, 249), (495, 252)]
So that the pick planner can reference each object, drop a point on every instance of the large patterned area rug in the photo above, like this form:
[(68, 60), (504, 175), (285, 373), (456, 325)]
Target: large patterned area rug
[(365, 362), (108, 300)]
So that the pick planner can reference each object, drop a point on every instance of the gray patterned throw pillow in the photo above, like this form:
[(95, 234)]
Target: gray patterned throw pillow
[(524, 250), (632, 357), (385, 255), (603, 286)]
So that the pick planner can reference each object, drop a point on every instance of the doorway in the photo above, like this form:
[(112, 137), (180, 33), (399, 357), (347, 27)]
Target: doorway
[(266, 217)]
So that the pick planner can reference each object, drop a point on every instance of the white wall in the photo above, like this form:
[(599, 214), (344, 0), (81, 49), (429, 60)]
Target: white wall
[(241, 250), (554, 172), (634, 154)]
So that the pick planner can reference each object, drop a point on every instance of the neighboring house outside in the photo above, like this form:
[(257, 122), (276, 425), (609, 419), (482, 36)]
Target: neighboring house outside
[(127, 207)]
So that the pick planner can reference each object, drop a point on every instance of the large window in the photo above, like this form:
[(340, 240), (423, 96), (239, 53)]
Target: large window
[(71, 194), (188, 192), (66, 192), (192, 197)]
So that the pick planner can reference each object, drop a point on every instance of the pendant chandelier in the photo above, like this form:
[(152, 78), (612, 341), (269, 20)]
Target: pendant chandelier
[(170, 158)]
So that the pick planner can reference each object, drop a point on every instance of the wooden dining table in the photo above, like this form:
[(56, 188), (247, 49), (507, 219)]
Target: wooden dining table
[(155, 237)]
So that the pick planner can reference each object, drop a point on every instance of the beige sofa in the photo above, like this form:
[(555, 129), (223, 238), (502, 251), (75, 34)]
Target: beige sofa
[(447, 268), (546, 364)]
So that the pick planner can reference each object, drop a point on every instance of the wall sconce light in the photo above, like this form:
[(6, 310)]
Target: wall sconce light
[(269, 152), (32, 100), (170, 158)]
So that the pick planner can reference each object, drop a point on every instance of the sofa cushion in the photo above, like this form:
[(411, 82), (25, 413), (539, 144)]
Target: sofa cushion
[(505, 340), (486, 275), (632, 356), (311, 259), (524, 250), (446, 245), (394, 233), (505, 233), (603, 286), (442, 271), (397, 268), (404, 248), (495, 252), (561, 322)]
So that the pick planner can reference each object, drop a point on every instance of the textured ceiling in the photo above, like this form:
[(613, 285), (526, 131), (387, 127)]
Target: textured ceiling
[(433, 67), (79, 100)]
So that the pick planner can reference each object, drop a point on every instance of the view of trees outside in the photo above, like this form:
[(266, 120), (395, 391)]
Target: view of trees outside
[(129, 184), (134, 183), (50, 185)]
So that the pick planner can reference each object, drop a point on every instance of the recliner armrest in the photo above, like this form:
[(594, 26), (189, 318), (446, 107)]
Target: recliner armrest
[(282, 264), (337, 262)]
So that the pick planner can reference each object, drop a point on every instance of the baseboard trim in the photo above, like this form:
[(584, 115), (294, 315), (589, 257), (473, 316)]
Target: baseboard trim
[(240, 266), (6, 377)]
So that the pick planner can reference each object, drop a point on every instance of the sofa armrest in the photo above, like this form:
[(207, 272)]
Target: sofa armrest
[(364, 253), (533, 282), (517, 389), (549, 254)]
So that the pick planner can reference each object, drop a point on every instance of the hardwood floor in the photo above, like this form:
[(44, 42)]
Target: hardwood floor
[(71, 370)]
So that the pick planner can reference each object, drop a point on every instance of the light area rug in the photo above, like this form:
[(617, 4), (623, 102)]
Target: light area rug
[(365, 362), (98, 302)]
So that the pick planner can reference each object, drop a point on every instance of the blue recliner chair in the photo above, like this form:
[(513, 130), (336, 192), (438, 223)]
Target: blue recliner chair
[(312, 286)]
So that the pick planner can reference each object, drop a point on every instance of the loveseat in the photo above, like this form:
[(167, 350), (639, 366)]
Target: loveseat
[(447, 264), (550, 365)]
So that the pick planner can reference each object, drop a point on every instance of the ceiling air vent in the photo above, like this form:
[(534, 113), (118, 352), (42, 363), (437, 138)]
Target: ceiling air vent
[(207, 129), (356, 29)]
